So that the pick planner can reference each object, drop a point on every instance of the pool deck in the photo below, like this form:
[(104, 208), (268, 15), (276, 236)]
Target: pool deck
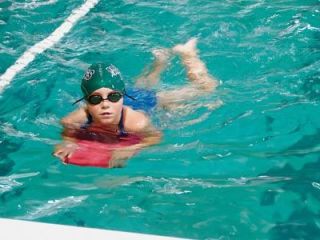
[(17, 229)]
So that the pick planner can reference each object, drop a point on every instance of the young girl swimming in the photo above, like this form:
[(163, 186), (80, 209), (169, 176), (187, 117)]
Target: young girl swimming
[(112, 112)]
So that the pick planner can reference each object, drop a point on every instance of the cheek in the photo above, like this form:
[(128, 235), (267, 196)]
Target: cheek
[(93, 110), (118, 106)]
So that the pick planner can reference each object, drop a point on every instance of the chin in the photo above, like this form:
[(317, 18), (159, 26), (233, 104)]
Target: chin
[(106, 121)]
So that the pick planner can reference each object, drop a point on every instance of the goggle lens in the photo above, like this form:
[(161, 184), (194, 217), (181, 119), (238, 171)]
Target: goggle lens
[(114, 96), (97, 99)]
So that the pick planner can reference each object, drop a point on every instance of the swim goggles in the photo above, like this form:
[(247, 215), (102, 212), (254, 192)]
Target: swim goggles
[(96, 99)]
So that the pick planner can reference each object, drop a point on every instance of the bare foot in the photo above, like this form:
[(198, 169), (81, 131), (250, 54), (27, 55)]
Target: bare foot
[(161, 55), (196, 69), (151, 76), (187, 49)]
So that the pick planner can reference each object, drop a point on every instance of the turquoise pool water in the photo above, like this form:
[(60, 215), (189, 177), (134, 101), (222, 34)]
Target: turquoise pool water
[(248, 170)]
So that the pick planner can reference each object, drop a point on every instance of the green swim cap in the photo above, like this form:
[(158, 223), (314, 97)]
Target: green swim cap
[(101, 75)]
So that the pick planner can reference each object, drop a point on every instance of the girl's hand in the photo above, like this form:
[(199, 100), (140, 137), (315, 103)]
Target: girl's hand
[(65, 150), (120, 156)]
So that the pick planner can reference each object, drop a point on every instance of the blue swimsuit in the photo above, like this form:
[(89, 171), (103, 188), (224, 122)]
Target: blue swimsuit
[(144, 99)]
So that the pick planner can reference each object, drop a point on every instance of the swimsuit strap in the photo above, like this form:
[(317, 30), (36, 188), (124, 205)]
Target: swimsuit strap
[(122, 132), (89, 121)]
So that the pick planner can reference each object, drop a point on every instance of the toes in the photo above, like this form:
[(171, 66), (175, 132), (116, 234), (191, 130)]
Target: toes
[(161, 54), (189, 48)]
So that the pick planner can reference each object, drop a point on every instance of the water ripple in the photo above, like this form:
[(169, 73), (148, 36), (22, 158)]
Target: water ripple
[(10, 130), (53, 207), (8, 183), (31, 4), (184, 185)]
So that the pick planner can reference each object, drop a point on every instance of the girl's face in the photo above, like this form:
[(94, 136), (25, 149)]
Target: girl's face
[(106, 112)]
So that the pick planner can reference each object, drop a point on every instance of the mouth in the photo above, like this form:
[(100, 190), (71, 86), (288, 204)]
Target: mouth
[(106, 114)]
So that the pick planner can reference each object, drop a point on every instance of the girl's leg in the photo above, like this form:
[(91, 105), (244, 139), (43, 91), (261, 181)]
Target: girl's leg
[(151, 75), (196, 69), (178, 99), (202, 81)]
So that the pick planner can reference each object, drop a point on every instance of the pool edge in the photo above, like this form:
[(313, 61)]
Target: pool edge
[(19, 229)]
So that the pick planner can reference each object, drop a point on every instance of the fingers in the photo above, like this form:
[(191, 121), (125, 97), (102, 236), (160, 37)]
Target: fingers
[(64, 151), (60, 154), (117, 163), (63, 155)]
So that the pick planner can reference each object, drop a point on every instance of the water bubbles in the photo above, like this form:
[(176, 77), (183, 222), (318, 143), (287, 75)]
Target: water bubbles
[(316, 185)]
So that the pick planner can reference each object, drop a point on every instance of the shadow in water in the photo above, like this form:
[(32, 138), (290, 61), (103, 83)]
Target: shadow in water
[(6, 147), (300, 225), (302, 222)]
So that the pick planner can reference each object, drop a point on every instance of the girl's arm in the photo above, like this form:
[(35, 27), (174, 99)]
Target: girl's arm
[(140, 125), (70, 123), (75, 119)]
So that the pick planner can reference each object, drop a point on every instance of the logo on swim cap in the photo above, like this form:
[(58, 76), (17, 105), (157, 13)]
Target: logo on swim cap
[(113, 71), (101, 75), (88, 75)]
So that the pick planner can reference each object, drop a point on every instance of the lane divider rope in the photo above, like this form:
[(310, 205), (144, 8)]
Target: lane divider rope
[(28, 56)]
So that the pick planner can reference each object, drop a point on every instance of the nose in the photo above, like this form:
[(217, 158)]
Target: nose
[(105, 104)]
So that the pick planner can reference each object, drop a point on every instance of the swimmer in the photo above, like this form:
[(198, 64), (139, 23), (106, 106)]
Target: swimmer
[(112, 110)]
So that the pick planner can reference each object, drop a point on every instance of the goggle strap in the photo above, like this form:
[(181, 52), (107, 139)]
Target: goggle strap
[(132, 98), (79, 100)]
